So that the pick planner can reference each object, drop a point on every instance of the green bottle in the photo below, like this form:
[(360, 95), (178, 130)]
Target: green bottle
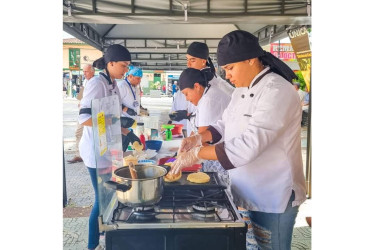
[(168, 133)]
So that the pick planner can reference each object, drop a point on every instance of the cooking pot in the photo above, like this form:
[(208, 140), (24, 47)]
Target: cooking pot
[(145, 191)]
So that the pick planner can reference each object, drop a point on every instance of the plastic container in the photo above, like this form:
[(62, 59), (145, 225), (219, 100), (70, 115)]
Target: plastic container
[(147, 162), (150, 122), (177, 130), (153, 144)]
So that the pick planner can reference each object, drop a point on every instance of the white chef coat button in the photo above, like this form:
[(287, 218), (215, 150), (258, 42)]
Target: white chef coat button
[(243, 96), (251, 95)]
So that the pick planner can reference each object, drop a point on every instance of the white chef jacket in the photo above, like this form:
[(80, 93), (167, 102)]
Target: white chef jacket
[(222, 84), (97, 87), (191, 109), (262, 145), (210, 107), (180, 103), (129, 94)]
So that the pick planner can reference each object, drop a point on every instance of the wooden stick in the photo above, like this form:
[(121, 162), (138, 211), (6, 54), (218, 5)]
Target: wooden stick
[(133, 173)]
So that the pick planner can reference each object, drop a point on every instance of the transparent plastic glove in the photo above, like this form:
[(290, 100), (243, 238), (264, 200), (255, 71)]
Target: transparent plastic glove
[(185, 159), (190, 142)]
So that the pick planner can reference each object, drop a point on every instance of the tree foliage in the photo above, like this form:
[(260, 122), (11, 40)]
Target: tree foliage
[(300, 80)]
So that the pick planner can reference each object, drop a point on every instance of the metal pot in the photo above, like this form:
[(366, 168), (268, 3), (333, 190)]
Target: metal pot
[(145, 191)]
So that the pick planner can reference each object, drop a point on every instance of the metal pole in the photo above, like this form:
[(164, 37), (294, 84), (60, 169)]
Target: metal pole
[(308, 145), (65, 198)]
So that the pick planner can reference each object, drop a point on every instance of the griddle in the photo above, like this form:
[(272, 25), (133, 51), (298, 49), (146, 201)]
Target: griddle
[(183, 183)]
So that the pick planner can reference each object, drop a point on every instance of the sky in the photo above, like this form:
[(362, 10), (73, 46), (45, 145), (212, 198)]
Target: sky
[(66, 35)]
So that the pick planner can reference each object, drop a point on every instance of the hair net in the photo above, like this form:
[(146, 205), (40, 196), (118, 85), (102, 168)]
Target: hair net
[(135, 71)]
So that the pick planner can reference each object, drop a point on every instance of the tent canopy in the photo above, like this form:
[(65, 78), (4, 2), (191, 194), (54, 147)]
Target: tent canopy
[(158, 32)]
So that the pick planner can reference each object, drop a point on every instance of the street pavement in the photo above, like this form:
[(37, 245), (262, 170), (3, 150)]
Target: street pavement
[(80, 194)]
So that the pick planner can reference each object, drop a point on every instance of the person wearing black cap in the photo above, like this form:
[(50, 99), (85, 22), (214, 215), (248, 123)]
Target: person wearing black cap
[(115, 63), (198, 58), (210, 102), (258, 139)]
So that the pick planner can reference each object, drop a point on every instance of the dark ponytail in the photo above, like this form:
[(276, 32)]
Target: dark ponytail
[(208, 75), (210, 64), (99, 63), (277, 66)]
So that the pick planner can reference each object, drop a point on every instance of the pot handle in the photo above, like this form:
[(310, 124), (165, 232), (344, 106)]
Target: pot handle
[(117, 186)]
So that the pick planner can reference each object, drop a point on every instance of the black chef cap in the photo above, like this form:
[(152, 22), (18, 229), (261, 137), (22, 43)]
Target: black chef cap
[(190, 76), (114, 53), (240, 45), (199, 50)]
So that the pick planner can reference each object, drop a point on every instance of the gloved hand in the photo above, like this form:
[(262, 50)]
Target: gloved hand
[(185, 159), (126, 122), (132, 137), (179, 115), (190, 142), (131, 112)]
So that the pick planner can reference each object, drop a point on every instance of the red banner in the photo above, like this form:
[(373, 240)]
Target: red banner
[(283, 51)]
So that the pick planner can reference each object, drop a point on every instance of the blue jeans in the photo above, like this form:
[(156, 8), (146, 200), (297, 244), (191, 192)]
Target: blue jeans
[(93, 224), (273, 230)]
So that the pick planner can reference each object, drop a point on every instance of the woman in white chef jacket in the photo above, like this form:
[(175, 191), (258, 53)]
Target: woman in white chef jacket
[(210, 102), (258, 139), (115, 63), (198, 58), (130, 98)]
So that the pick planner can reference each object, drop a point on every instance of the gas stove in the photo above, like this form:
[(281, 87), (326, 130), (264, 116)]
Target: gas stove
[(179, 209), (187, 217)]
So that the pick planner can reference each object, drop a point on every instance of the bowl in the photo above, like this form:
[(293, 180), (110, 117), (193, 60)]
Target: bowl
[(177, 130), (153, 144)]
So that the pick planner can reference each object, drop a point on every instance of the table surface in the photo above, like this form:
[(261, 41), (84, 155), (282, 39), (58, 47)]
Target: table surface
[(168, 149)]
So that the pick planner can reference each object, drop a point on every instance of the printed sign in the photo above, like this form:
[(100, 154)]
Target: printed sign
[(103, 146), (283, 51), (74, 59), (300, 42)]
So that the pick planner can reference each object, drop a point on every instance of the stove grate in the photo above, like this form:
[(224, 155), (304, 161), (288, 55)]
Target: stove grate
[(177, 204)]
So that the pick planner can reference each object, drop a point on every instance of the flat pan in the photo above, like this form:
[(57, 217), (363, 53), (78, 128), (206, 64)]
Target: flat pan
[(183, 183)]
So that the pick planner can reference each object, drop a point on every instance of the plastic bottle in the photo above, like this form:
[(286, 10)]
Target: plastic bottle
[(140, 129)]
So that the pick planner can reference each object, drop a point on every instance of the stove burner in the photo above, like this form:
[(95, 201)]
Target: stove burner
[(144, 213), (205, 216), (204, 207), (141, 209)]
